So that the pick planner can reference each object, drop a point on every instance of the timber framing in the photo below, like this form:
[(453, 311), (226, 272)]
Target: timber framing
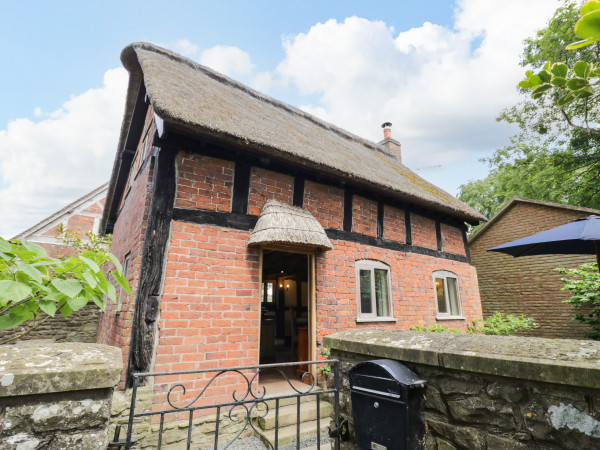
[(156, 240), (247, 222)]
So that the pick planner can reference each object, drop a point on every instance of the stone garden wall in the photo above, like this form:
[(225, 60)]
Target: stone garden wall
[(490, 392), (56, 396)]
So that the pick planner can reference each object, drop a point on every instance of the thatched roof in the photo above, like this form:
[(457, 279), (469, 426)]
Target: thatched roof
[(282, 224), (195, 99)]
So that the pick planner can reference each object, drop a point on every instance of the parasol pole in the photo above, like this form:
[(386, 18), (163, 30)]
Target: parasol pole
[(597, 246)]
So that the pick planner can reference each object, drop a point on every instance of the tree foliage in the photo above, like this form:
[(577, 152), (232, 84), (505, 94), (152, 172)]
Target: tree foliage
[(555, 156), (585, 288), (35, 287)]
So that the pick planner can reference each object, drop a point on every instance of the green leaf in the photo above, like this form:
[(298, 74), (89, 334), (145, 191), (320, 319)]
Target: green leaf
[(538, 91), (566, 99), (589, 6), (111, 292), (77, 303), (525, 84), (90, 279), (535, 80), (122, 281), (35, 248), (559, 81), (13, 291), (585, 92), (99, 303), (11, 320), (560, 70), (581, 69), (5, 246), (579, 44), (575, 84), (545, 76), (547, 65), (528, 74), (69, 287), (91, 264), (116, 262), (588, 26), (66, 310), (31, 272), (48, 306)]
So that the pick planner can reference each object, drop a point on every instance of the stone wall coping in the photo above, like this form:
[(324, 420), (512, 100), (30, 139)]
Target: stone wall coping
[(562, 361), (30, 367)]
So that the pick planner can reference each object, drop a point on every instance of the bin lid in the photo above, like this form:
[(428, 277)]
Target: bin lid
[(388, 368)]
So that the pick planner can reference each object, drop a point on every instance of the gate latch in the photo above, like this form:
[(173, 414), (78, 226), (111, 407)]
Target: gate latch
[(342, 432)]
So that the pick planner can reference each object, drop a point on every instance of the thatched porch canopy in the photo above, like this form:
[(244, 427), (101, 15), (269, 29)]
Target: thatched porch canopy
[(281, 224)]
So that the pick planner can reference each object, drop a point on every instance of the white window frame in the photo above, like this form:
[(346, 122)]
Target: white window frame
[(371, 265), (445, 274)]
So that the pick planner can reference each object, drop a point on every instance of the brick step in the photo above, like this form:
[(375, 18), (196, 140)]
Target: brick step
[(288, 414), (287, 434)]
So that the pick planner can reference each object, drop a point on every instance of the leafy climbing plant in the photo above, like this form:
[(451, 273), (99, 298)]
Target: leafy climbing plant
[(35, 286), (585, 288)]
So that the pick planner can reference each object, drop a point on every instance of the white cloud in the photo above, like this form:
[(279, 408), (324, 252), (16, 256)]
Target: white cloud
[(47, 164), (186, 48), (230, 61), (441, 94)]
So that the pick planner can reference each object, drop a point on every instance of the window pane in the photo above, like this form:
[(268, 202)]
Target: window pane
[(381, 292), (365, 292), (441, 296), (453, 296)]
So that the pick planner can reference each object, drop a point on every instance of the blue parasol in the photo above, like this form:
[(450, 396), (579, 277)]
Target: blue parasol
[(579, 237)]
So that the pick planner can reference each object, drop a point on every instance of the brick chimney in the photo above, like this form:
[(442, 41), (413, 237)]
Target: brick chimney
[(390, 143)]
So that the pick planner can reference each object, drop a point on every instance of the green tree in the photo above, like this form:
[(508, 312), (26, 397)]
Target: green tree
[(34, 286), (555, 156)]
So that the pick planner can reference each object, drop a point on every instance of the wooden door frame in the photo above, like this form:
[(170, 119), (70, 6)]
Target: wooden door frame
[(312, 298)]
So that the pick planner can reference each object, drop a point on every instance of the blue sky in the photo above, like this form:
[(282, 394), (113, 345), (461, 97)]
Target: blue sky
[(441, 71)]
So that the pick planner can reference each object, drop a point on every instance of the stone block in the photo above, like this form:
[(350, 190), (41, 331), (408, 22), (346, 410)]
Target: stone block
[(482, 410), (460, 385), (463, 437), (509, 392), (504, 443), (57, 415), (433, 399)]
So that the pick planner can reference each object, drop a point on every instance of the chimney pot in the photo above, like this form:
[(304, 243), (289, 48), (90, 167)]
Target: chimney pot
[(387, 130), (388, 142)]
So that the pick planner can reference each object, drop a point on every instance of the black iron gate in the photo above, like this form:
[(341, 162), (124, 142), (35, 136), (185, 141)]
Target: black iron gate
[(251, 404)]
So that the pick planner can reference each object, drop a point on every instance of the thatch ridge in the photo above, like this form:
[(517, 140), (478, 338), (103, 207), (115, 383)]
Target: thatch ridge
[(195, 99), (283, 224)]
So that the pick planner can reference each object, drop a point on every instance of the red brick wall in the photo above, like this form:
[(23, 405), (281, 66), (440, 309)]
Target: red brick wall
[(364, 216), (210, 309), (266, 185), (393, 224), (128, 237), (423, 231), (529, 284), (452, 240), (325, 203), (204, 182), (413, 295)]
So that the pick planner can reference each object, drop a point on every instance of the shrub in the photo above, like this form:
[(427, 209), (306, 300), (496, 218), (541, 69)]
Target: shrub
[(497, 324), (586, 292)]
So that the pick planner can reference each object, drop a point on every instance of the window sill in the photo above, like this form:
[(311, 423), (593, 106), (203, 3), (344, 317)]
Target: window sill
[(449, 318), (375, 319)]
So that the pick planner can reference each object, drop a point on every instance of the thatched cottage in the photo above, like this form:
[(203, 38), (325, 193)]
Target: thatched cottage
[(251, 229)]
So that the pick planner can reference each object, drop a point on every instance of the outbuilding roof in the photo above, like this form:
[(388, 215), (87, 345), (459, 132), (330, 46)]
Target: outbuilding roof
[(192, 98)]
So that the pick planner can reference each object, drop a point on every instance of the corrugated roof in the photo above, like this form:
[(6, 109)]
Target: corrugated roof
[(196, 99)]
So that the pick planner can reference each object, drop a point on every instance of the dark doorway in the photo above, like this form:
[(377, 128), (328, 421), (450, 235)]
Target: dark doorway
[(284, 307)]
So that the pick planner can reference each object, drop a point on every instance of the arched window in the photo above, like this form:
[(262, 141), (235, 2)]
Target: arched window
[(447, 294), (373, 291)]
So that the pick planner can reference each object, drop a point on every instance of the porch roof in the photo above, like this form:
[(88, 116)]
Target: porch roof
[(282, 224)]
